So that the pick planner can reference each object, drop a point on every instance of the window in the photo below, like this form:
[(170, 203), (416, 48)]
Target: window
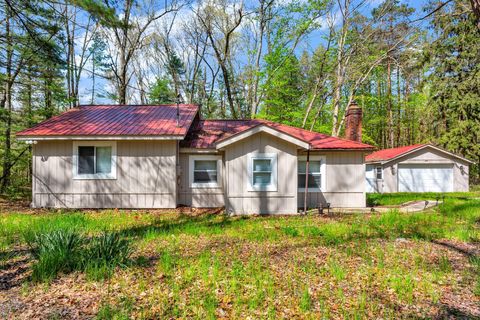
[(379, 173), (316, 173), (262, 172), (204, 171), (94, 160)]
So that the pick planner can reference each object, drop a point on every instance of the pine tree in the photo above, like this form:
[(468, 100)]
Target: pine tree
[(455, 81)]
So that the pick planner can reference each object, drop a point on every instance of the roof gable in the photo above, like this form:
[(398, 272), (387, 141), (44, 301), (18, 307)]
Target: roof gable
[(261, 128), (116, 120), (207, 133)]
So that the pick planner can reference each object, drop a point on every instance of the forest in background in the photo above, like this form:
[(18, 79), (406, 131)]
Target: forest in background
[(414, 69)]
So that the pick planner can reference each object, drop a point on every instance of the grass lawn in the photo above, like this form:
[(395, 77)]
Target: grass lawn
[(390, 265)]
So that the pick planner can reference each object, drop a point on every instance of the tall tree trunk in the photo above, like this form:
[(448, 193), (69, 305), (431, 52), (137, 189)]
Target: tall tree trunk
[(7, 102), (399, 108), (226, 80), (476, 10), (92, 99), (389, 104), (8, 142), (310, 104), (48, 97), (122, 83), (264, 8), (317, 114), (339, 78)]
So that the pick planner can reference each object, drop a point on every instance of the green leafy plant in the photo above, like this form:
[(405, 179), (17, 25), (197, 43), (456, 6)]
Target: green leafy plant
[(56, 252), (104, 253), (66, 251)]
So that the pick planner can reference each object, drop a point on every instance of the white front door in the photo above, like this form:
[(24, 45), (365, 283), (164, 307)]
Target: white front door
[(425, 178)]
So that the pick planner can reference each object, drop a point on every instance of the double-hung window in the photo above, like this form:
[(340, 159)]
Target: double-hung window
[(262, 170), (379, 173), (316, 173), (94, 160), (205, 171)]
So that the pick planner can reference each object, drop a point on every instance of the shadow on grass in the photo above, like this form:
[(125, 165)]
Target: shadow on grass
[(469, 207), (207, 223), (12, 254)]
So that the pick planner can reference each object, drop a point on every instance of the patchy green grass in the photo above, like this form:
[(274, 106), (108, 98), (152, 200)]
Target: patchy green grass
[(214, 266), (387, 199)]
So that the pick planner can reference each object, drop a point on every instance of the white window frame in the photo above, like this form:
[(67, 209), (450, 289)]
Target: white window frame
[(95, 176), (376, 172), (191, 166), (273, 181), (323, 170)]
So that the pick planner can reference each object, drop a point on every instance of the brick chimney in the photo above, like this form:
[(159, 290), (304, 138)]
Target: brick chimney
[(353, 122)]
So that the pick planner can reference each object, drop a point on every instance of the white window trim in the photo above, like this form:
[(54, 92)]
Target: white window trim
[(376, 172), (262, 156), (191, 166), (323, 171), (95, 176)]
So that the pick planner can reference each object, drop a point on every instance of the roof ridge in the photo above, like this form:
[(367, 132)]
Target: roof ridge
[(411, 145)]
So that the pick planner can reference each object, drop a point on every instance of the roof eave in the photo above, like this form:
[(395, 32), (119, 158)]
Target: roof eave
[(98, 137), (342, 149)]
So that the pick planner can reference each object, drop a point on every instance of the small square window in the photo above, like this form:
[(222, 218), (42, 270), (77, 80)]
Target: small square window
[(204, 171), (314, 174), (94, 160), (263, 172)]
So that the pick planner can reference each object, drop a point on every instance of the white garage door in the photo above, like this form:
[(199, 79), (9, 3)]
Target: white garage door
[(425, 178)]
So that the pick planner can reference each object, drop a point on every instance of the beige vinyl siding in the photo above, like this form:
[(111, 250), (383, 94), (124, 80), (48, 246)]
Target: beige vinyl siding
[(146, 171), (242, 201), (345, 181), (198, 197), (426, 156)]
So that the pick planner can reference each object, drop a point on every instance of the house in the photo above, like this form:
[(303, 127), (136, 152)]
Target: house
[(164, 156), (416, 168)]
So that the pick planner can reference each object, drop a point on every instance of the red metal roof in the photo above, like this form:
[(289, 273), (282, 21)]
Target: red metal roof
[(117, 120), (207, 133), (388, 154)]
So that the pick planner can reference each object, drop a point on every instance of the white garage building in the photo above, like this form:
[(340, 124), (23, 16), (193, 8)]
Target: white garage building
[(416, 168)]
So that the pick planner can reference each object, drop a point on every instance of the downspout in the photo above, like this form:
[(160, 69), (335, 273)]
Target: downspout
[(306, 182)]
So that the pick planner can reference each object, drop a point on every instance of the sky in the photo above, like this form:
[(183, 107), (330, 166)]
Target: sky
[(309, 43)]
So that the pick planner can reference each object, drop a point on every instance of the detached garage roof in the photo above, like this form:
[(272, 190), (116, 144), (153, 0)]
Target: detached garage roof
[(212, 133), (387, 155), (155, 121)]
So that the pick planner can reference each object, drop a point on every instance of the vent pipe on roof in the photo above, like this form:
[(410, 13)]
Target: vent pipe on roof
[(179, 97)]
